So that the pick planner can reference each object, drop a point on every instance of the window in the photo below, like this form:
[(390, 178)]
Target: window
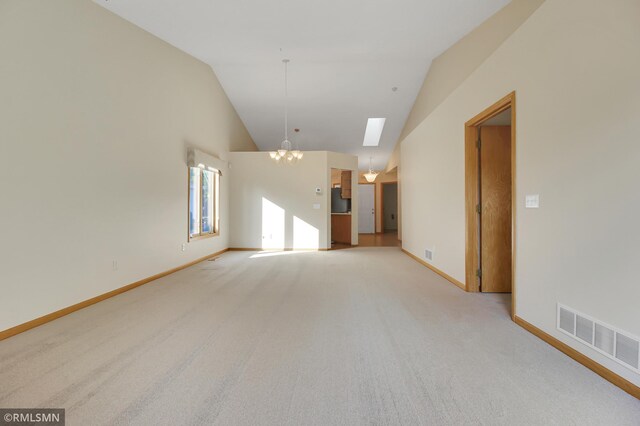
[(204, 202)]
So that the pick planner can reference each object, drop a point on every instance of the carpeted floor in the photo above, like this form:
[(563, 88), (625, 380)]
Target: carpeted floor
[(348, 337)]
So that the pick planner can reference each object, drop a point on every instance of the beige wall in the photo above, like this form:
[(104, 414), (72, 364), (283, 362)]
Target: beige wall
[(273, 203), (452, 67), (95, 118), (575, 66)]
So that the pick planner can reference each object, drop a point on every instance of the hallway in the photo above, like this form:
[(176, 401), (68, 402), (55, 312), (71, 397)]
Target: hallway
[(387, 239)]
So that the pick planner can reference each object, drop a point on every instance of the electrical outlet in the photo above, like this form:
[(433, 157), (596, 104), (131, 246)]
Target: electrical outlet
[(183, 247), (114, 265)]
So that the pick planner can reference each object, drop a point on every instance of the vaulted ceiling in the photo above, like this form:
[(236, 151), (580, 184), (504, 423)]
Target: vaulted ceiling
[(346, 57)]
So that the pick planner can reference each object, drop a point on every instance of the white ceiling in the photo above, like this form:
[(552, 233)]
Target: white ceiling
[(346, 55)]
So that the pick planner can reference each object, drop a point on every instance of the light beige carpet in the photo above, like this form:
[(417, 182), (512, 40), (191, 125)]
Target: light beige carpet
[(350, 337)]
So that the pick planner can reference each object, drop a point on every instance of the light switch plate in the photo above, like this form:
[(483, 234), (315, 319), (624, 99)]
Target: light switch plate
[(532, 201), (316, 206)]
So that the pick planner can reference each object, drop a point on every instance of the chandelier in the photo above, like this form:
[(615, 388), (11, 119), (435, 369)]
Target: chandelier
[(286, 151), (370, 176)]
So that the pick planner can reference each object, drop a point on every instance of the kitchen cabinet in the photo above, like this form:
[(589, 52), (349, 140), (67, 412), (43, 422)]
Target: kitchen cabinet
[(345, 184), (341, 228)]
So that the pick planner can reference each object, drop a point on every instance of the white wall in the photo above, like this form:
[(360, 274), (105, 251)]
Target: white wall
[(276, 201), (575, 67), (95, 118), (255, 177)]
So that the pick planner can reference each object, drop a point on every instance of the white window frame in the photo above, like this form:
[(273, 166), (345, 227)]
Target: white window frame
[(215, 228)]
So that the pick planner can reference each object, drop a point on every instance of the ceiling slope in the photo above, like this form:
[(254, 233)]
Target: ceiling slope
[(346, 56)]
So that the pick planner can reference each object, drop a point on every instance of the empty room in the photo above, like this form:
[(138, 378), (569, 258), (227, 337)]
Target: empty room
[(349, 212)]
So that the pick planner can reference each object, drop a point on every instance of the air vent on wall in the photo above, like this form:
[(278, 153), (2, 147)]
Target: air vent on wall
[(567, 321), (428, 254), (604, 339), (584, 329), (610, 341)]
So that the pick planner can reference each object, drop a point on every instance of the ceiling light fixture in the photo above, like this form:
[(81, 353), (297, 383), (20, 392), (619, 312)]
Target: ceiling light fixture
[(286, 151), (370, 176)]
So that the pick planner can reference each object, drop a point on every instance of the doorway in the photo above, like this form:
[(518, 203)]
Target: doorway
[(366, 208), (489, 199), (389, 214), (341, 223)]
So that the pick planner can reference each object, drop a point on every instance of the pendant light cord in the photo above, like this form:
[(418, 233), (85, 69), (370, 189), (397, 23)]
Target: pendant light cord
[(286, 101)]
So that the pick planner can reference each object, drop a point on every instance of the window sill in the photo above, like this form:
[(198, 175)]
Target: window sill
[(203, 237)]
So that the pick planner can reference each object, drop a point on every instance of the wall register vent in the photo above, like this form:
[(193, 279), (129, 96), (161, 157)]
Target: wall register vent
[(428, 254), (616, 344)]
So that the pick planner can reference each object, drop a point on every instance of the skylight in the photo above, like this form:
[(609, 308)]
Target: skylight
[(373, 132)]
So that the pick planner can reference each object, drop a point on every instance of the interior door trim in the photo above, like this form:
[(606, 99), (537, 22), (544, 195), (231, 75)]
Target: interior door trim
[(471, 194)]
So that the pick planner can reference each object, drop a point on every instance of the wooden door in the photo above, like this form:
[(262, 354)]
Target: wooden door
[(341, 228), (495, 214), (366, 208), (389, 206)]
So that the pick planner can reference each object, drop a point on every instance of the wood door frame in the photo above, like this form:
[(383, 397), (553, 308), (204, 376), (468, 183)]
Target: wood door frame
[(471, 193), (382, 184), (375, 202)]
